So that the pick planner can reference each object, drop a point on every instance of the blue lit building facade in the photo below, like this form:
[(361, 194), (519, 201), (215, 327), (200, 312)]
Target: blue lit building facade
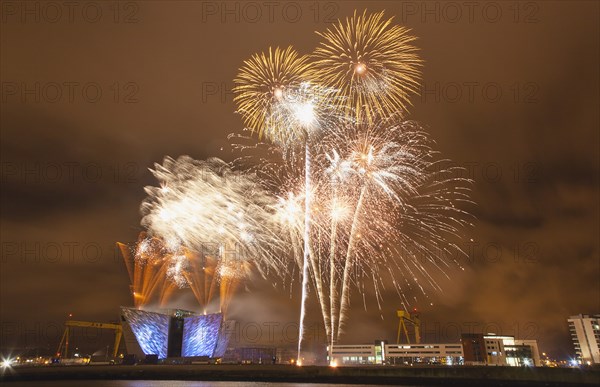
[(174, 333)]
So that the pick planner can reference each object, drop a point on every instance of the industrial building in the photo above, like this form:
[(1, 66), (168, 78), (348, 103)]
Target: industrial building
[(496, 350), (474, 349), (400, 354), (506, 350), (585, 333), (174, 333), (355, 354)]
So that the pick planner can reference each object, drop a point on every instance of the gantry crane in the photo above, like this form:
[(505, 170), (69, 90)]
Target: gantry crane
[(406, 317), (85, 324)]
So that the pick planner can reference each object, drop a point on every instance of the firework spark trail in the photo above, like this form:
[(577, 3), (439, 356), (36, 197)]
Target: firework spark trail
[(309, 264), (348, 263), (338, 170), (306, 255), (157, 272), (332, 288), (147, 265)]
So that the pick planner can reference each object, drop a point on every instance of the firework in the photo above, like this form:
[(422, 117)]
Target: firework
[(214, 226), (346, 187), (147, 265), (382, 205), (206, 207), (370, 62), (271, 94), (369, 198), (276, 101)]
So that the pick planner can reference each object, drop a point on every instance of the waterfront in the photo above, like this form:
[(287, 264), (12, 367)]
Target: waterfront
[(271, 375)]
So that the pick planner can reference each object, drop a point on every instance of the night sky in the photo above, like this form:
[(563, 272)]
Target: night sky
[(510, 93)]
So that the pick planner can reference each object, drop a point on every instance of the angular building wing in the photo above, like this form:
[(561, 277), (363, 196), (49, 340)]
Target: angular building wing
[(151, 330), (175, 333), (200, 335)]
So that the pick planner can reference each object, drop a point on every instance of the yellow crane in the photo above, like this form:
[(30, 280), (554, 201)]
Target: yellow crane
[(405, 317), (86, 324)]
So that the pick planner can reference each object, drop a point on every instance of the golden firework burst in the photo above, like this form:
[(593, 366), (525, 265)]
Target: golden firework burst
[(264, 87), (371, 63)]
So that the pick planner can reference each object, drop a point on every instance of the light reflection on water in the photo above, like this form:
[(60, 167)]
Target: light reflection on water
[(165, 383)]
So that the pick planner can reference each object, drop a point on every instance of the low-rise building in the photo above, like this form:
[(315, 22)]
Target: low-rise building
[(474, 349), (355, 354), (506, 350), (448, 354), (383, 353)]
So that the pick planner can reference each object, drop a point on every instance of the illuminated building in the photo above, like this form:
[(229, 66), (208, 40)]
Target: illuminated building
[(585, 333), (474, 349), (448, 354), (352, 354), (383, 353), (174, 333), (506, 350)]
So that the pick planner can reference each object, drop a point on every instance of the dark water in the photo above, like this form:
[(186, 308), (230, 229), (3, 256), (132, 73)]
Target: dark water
[(164, 383)]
